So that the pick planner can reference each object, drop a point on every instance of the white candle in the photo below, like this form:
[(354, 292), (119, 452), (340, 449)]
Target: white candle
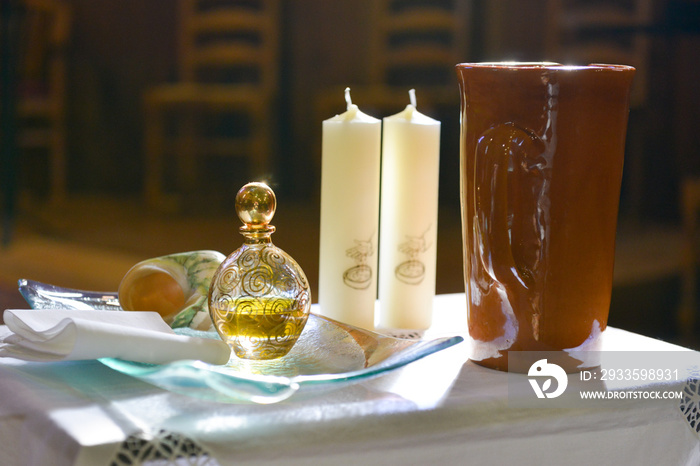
[(409, 214), (347, 288)]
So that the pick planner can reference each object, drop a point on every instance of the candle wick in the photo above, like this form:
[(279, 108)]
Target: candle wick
[(412, 97), (348, 100)]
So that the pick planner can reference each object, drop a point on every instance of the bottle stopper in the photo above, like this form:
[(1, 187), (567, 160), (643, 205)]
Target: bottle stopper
[(255, 205)]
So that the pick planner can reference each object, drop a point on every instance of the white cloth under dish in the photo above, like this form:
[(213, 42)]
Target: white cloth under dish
[(62, 335), (441, 409)]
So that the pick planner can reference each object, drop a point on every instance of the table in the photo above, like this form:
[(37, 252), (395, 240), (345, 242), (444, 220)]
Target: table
[(442, 409)]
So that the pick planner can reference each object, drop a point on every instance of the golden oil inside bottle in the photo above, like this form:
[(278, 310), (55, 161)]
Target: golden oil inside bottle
[(261, 327)]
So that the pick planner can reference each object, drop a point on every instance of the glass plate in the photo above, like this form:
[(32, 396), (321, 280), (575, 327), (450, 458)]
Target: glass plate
[(327, 352)]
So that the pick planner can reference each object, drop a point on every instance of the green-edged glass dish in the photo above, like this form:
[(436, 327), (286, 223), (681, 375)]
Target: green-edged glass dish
[(328, 352)]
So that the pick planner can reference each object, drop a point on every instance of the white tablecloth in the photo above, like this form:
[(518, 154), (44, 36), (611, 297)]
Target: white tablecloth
[(442, 409)]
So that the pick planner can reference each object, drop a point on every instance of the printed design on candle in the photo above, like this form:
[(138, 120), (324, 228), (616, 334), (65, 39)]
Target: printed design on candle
[(412, 270), (359, 276)]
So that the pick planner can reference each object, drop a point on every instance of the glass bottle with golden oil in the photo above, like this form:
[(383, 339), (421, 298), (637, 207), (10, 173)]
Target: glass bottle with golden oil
[(259, 298)]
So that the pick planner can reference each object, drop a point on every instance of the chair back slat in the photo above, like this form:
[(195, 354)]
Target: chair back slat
[(229, 42), (416, 42)]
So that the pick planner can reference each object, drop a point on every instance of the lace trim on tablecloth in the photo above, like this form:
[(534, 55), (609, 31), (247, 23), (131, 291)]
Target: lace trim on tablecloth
[(690, 404), (164, 448)]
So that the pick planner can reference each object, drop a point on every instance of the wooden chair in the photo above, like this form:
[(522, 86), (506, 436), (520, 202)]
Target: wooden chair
[(41, 93), (228, 69), (415, 44), (602, 31)]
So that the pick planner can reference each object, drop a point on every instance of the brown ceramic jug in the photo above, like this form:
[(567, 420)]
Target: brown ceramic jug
[(542, 148)]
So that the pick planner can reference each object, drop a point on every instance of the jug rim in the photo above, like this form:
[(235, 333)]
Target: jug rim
[(543, 65)]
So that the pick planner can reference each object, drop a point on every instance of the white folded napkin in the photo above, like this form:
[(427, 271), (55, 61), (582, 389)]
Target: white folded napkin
[(62, 335)]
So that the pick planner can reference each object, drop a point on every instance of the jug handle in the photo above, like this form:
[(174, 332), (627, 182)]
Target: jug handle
[(496, 148)]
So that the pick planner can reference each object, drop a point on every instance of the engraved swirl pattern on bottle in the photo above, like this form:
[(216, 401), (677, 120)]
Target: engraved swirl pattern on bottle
[(260, 302)]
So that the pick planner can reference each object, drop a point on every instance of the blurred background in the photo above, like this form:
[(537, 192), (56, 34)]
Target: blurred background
[(129, 125)]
